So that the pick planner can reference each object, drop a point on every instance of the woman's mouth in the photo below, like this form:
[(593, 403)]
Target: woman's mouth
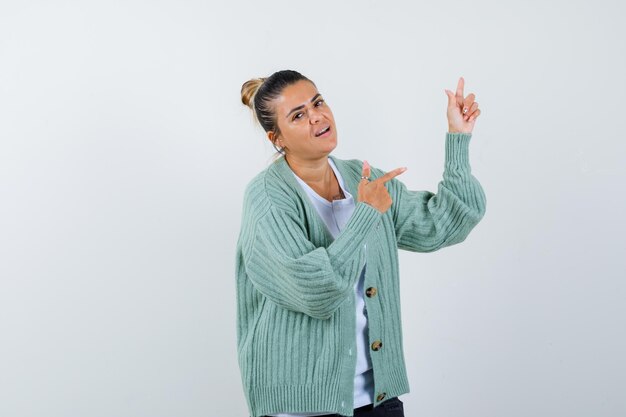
[(323, 133)]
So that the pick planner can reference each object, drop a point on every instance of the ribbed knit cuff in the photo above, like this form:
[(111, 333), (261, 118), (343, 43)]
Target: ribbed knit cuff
[(457, 148), (362, 222), (364, 217)]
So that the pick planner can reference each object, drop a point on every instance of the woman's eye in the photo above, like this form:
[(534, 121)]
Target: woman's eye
[(318, 103)]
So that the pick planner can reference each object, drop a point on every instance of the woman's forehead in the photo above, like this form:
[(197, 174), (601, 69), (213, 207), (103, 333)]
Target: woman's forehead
[(301, 92)]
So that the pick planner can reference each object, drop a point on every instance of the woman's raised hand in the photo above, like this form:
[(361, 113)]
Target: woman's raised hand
[(374, 192), (462, 111)]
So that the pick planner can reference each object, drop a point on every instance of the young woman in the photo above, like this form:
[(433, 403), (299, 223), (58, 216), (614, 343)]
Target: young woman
[(318, 300)]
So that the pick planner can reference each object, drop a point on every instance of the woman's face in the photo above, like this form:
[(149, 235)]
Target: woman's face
[(301, 113)]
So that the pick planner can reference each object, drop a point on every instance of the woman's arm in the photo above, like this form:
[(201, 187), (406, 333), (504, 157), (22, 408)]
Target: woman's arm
[(426, 222), (287, 268)]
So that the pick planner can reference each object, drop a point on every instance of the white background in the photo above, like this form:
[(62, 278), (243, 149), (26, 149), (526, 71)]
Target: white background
[(125, 150)]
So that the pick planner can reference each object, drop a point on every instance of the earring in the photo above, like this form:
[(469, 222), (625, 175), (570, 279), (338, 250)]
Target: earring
[(281, 150)]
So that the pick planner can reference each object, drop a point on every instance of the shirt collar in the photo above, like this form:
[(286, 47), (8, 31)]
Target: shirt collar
[(350, 182)]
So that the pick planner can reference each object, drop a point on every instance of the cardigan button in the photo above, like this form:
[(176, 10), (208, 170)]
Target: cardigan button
[(377, 345), (370, 292), (381, 396)]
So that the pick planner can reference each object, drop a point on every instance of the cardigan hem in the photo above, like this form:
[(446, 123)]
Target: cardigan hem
[(318, 398)]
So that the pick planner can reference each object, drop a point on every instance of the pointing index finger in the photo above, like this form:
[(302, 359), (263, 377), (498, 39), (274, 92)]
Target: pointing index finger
[(391, 174), (459, 91)]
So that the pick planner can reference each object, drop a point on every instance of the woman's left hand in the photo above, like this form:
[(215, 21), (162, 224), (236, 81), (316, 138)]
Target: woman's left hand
[(462, 111)]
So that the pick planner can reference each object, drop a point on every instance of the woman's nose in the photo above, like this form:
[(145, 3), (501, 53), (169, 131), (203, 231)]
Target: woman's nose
[(315, 116)]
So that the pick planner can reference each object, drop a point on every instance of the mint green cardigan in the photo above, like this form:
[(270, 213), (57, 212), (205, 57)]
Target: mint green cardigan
[(295, 284)]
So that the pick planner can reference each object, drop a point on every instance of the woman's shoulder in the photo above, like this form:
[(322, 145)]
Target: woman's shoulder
[(266, 190)]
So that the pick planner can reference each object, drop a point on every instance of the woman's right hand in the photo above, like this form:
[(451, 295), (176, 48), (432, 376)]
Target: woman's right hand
[(374, 192)]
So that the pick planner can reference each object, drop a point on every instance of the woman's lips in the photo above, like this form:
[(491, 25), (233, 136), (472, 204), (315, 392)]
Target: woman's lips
[(324, 134)]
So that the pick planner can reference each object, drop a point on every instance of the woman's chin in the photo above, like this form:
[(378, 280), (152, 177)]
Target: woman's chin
[(331, 144)]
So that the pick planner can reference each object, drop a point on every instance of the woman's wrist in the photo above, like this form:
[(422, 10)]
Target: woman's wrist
[(450, 130)]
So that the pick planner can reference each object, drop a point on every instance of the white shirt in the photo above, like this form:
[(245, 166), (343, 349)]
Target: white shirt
[(335, 215)]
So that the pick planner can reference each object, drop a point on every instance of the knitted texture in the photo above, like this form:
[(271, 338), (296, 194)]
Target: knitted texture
[(295, 283)]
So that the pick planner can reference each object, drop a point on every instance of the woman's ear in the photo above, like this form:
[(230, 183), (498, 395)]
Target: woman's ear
[(274, 138)]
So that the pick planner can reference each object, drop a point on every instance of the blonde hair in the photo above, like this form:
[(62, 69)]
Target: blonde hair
[(249, 89)]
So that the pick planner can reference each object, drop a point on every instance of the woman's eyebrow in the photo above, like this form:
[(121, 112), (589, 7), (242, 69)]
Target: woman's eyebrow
[(302, 105)]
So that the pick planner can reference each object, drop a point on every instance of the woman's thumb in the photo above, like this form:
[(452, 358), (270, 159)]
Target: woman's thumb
[(451, 98)]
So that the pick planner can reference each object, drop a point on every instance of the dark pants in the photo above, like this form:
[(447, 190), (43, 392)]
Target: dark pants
[(392, 407)]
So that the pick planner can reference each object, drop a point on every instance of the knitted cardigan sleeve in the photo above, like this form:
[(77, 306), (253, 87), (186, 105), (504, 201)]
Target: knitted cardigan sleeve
[(426, 222), (286, 267)]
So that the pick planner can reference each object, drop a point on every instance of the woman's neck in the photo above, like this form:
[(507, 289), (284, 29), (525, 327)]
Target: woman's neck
[(319, 175), (311, 170)]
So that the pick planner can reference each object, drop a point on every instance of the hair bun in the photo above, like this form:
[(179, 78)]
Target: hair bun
[(249, 89)]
